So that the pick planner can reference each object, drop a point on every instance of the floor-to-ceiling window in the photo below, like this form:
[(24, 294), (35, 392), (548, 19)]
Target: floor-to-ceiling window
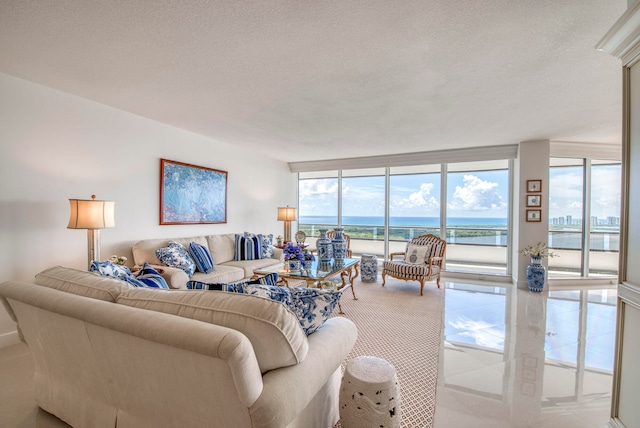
[(363, 209), (318, 201), (414, 203), (584, 219), (382, 208), (477, 220)]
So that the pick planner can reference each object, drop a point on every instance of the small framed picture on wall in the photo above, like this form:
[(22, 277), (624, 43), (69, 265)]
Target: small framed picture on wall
[(533, 201), (534, 215), (534, 186)]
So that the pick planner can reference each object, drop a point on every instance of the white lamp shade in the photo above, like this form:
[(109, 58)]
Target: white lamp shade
[(287, 213), (91, 214)]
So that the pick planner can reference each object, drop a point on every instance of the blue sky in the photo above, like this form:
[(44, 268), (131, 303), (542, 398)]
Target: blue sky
[(565, 191), (470, 194)]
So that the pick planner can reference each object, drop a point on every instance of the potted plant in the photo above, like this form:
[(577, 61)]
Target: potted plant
[(536, 272), (293, 256), (308, 259)]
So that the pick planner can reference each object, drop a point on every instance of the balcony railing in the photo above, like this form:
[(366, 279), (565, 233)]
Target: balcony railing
[(484, 250)]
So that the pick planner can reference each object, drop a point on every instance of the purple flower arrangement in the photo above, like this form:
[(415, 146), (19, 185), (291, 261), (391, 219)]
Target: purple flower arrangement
[(293, 252)]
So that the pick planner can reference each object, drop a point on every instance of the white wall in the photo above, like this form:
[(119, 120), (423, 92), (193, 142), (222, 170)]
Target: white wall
[(532, 164), (55, 146)]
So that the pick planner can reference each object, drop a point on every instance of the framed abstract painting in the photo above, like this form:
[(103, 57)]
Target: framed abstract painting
[(191, 194)]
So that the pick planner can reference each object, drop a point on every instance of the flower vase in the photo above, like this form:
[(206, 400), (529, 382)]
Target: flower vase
[(307, 264), (339, 244), (324, 246), (293, 264), (536, 275)]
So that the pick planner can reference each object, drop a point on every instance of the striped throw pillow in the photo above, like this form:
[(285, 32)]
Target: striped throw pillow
[(248, 248), (201, 257), (151, 277)]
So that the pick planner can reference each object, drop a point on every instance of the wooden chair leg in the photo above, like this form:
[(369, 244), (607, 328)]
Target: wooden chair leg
[(384, 277), (421, 287), (438, 281)]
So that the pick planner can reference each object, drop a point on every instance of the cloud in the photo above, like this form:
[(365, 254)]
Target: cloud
[(421, 199), (476, 195), (318, 187)]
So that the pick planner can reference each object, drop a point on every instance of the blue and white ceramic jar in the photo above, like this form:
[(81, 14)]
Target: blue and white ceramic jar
[(536, 275), (294, 264), (324, 246), (339, 244), (369, 268)]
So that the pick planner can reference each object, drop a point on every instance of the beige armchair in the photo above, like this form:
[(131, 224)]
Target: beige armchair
[(422, 261)]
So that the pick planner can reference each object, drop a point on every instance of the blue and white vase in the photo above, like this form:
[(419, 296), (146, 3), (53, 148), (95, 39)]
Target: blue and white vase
[(324, 246), (307, 264), (536, 275), (339, 244), (294, 264)]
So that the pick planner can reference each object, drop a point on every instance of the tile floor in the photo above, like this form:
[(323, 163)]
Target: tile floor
[(509, 359), (515, 359)]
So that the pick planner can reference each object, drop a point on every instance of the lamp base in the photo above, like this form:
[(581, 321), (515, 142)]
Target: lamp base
[(93, 246), (287, 231)]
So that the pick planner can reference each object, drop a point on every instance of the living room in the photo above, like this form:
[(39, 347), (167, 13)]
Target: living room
[(57, 146)]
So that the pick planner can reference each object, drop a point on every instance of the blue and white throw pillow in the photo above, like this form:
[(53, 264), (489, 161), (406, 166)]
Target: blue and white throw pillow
[(115, 271), (248, 248), (273, 292), (313, 306), (151, 277), (201, 257), (176, 255), (267, 246), (199, 285)]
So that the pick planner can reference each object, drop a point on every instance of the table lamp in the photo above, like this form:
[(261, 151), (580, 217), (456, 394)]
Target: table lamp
[(93, 215), (287, 214)]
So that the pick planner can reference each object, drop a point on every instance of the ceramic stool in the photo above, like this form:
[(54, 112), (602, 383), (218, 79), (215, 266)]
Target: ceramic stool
[(369, 394), (369, 268)]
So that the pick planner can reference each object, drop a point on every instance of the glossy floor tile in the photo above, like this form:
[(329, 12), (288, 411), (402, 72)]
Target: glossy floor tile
[(514, 359)]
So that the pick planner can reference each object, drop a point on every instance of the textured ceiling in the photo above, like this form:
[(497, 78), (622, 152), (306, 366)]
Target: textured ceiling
[(301, 80)]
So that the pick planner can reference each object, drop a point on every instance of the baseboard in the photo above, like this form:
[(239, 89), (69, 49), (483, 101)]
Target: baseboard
[(9, 339), (614, 423)]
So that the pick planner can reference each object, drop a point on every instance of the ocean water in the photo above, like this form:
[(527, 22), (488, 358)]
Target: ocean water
[(405, 221)]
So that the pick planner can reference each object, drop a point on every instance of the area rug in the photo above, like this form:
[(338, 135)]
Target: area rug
[(397, 324)]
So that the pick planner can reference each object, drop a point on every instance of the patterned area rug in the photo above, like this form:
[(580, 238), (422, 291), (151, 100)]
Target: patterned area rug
[(397, 324)]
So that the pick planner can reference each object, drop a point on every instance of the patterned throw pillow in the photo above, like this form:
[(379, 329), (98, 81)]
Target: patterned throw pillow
[(417, 254), (313, 306), (267, 246), (115, 271), (248, 248), (176, 255), (151, 277), (273, 292), (201, 256)]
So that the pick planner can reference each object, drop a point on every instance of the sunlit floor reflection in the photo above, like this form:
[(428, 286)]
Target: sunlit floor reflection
[(511, 358)]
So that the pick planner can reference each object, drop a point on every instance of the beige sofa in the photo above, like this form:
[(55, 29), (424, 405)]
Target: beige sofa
[(222, 249), (107, 355)]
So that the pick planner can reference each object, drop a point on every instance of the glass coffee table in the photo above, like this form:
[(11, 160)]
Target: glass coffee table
[(348, 271)]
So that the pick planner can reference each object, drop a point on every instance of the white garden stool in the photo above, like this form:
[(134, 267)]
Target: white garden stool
[(369, 394), (369, 268)]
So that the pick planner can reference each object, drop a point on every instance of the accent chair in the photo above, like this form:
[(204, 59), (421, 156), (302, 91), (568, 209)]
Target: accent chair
[(422, 261)]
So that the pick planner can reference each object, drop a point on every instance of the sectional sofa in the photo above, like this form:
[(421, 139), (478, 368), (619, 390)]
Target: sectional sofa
[(109, 355)]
